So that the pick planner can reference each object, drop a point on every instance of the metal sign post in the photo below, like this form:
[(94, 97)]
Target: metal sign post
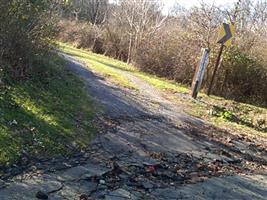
[(199, 74), (218, 61), (226, 32)]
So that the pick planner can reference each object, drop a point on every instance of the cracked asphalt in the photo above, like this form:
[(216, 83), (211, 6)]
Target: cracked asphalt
[(147, 148)]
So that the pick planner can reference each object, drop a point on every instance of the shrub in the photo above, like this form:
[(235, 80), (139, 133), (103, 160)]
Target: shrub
[(242, 76), (81, 34), (167, 54), (26, 32)]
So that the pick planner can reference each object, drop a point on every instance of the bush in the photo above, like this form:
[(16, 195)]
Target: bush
[(81, 34), (242, 76), (26, 32), (167, 54), (88, 36)]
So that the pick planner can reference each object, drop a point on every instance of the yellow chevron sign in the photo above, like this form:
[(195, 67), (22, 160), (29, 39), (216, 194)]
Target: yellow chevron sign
[(226, 33)]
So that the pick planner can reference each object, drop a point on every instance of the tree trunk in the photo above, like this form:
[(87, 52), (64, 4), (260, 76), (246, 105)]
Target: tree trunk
[(129, 57)]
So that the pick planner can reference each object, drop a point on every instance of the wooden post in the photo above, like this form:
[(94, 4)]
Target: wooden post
[(199, 74), (215, 69)]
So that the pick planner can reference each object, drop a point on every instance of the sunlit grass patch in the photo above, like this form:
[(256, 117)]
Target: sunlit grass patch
[(162, 83), (101, 64), (107, 66), (45, 115)]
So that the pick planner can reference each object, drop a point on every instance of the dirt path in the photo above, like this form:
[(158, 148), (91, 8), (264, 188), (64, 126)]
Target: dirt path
[(147, 148)]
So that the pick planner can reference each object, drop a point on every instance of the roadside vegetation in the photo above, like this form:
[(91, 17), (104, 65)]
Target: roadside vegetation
[(44, 109), (228, 114), (27, 30), (169, 44), (47, 115)]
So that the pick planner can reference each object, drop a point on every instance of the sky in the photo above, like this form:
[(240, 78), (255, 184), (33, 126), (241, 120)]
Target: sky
[(190, 3)]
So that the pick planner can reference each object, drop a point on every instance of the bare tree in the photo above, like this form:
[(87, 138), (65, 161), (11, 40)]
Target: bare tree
[(96, 11), (93, 11), (140, 18)]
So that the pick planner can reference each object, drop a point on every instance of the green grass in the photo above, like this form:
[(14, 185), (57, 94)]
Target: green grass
[(162, 83), (100, 64), (228, 114), (109, 67), (45, 115), (217, 110)]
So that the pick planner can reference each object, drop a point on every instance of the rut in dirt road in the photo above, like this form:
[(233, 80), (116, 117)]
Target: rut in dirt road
[(147, 148)]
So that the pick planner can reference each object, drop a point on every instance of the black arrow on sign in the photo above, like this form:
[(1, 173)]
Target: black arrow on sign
[(227, 35)]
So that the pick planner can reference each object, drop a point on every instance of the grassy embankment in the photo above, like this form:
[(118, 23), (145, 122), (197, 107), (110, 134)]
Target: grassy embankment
[(46, 115), (224, 113)]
